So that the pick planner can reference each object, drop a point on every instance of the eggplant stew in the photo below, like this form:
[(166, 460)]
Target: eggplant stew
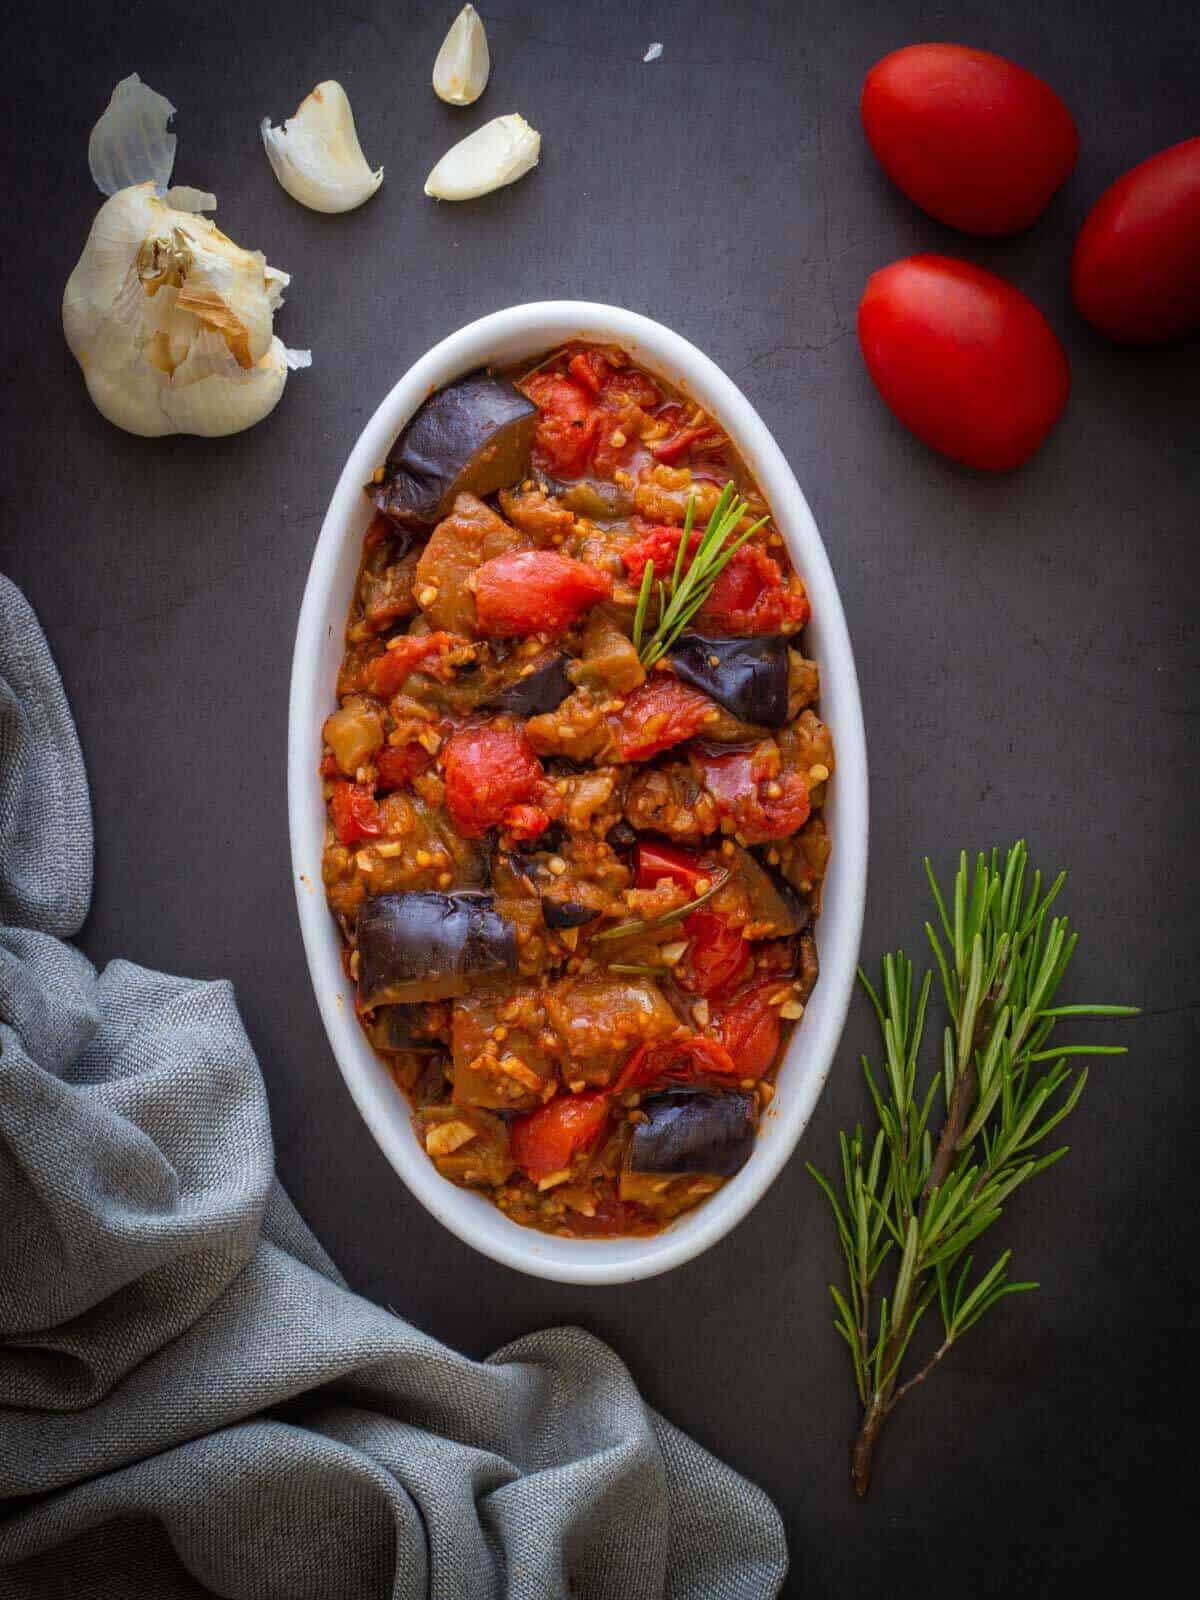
[(574, 783)]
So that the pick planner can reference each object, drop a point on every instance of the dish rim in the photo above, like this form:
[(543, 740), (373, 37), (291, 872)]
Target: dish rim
[(500, 338)]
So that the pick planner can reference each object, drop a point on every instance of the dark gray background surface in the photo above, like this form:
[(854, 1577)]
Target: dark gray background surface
[(1026, 647)]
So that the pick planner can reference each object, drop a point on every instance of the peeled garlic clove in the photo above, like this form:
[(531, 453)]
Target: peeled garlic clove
[(500, 152), (316, 154), (171, 322), (460, 73), (130, 143), (183, 198)]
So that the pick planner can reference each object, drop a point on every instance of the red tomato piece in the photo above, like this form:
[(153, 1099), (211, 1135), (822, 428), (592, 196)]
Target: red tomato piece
[(634, 387), (386, 674), (591, 368), (659, 713), (566, 431), (964, 360), (654, 862), (676, 1061), (487, 769), (548, 1139), (1135, 272), (525, 821), (717, 954), (676, 445), (355, 814), (740, 786), (535, 591), (973, 139), (658, 545), (751, 1028), (398, 764), (749, 596)]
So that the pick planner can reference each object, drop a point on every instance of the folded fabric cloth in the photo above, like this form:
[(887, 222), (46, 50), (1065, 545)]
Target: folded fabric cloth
[(191, 1400)]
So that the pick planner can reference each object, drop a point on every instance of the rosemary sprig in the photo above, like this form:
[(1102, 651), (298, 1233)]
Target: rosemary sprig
[(921, 1198), (692, 579), (627, 930)]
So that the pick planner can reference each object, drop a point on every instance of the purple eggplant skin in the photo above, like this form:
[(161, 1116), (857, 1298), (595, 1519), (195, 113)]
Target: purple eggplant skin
[(473, 436), (545, 689), (566, 913), (429, 946), (749, 677), (690, 1130)]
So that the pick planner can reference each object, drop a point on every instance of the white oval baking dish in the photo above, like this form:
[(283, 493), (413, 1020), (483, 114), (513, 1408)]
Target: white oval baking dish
[(499, 339)]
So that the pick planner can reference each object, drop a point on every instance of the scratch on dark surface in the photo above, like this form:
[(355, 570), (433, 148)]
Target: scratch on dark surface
[(807, 348)]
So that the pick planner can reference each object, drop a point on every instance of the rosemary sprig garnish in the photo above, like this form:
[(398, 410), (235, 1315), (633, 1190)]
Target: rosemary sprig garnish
[(929, 1197), (627, 930), (691, 580)]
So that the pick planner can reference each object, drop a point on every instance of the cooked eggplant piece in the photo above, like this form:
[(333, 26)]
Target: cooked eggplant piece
[(472, 437), (591, 497), (544, 689), (621, 836), (771, 897), (749, 677), (688, 1130), (428, 946), (401, 1028), (566, 913), (809, 966)]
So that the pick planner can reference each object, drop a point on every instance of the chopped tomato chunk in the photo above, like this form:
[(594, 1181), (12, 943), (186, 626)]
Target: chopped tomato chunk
[(632, 386), (749, 596), (547, 1140), (386, 674), (591, 368), (655, 861), (747, 785), (676, 1061), (658, 714), (525, 821), (717, 954), (355, 814), (488, 769), (398, 764), (535, 591), (676, 445), (659, 545), (565, 433), (750, 1026)]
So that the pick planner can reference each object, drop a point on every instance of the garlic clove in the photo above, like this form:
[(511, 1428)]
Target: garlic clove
[(316, 154), (500, 152), (130, 143), (183, 198), (460, 73), (171, 322)]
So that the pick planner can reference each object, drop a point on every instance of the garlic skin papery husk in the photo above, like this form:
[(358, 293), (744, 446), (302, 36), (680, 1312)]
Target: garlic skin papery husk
[(130, 142), (316, 154), (460, 73), (500, 152), (171, 322)]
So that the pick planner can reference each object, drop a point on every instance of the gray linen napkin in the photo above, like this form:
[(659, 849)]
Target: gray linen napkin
[(191, 1401)]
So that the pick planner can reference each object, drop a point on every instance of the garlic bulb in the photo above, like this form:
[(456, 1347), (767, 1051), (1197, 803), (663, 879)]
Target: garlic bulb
[(171, 322), (460, 73), (130, 142), (316, 154), (500, 152)]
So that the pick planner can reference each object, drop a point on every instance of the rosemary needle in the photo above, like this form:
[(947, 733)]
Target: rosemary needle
[(626, 930)]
